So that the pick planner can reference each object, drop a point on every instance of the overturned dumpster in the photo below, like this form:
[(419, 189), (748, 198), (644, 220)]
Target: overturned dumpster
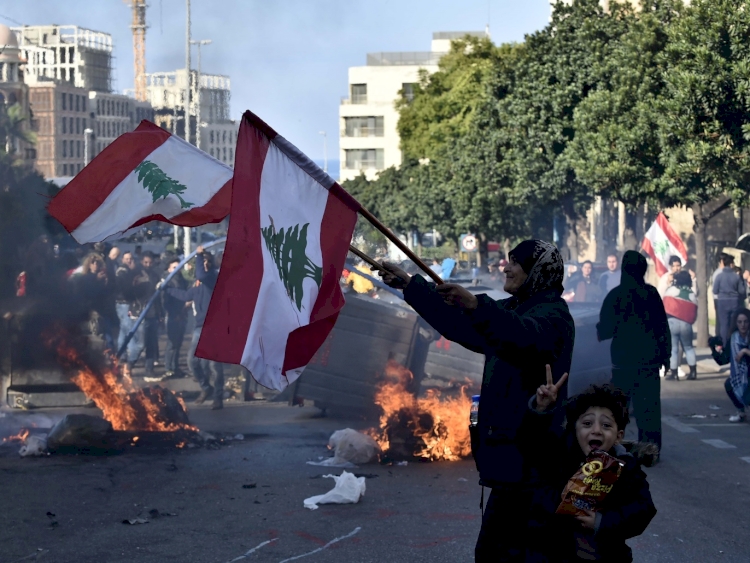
[(344, 374)]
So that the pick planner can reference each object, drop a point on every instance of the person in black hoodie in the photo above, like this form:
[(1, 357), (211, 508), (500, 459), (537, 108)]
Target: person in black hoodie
[(633, 316), (517, 336), (596, 420), (200, 295)]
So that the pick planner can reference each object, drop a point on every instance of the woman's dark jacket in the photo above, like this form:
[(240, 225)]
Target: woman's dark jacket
[(554, 456), (517, 339)]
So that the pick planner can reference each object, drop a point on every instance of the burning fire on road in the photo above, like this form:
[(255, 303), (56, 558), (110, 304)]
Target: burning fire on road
[(152, 409), (432, 427)]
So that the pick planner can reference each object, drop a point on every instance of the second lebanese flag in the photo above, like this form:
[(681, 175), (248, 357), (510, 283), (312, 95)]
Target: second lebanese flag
[(278, 294)]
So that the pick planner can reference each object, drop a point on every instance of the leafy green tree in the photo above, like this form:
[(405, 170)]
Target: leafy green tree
[(703, 119), (446, 101), (562, 66), (12, 127)]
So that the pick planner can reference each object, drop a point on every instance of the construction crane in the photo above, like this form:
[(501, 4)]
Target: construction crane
[(138, 26)]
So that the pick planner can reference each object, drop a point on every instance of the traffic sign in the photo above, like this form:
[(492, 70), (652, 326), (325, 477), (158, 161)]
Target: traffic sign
[(469, 243)]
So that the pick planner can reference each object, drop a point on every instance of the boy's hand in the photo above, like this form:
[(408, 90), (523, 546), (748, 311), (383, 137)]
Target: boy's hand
[(588, 520), (546, 395)]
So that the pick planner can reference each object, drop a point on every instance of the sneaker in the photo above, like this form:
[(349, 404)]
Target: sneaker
[(203, 396), (739, 417), (153, 379)]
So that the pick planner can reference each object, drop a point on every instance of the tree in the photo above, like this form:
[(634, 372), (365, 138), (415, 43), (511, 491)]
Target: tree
[(562, 66), (446, 101), (12, 128), (703, 119), (616, 149)]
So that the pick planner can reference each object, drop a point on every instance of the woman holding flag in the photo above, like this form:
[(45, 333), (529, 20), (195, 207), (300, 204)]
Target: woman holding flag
[(518, 337)]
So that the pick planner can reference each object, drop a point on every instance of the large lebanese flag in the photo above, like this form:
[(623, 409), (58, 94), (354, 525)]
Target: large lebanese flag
[(146, 175), (661, 242), (278, 294)]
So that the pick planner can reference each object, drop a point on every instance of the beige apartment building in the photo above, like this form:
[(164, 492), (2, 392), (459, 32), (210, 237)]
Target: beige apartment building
[(368, 137)]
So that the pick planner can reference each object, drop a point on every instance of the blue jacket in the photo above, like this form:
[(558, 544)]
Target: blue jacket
[(517, 340), (199, 294)]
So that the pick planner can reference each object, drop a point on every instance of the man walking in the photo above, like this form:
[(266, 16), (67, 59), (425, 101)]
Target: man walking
[(611, 278), (123, 296), (200, 295), (729, 292), (633, 317), (176, 312), (147, 335)]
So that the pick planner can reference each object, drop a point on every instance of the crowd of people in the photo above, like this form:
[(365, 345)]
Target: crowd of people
[(114, 287)]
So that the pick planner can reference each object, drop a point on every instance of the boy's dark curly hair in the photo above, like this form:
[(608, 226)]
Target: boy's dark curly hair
[(605, 396)]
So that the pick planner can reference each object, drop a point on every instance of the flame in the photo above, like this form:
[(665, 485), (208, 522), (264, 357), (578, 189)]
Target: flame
[(121, 403), (440, 425), (20, 437)]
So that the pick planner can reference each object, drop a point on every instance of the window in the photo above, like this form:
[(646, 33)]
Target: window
[(231, 155), (98, 106), (70, 101), (78, 102), (363, 126), (63, 101), (83, 103), (407, 90), (224, 153), (359, 93), (212, 142), (64, 149), (64, 121), (65, 169), (78, 125), (78, 149), (224, 137), (364, 159), (83, 124), (70, 125)]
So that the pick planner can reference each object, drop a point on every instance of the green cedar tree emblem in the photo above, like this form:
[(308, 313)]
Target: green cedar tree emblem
[(156, 181), (661, 248), (287, 248)]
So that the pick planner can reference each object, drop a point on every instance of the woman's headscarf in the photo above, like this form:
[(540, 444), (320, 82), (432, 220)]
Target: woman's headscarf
[(542, 263)]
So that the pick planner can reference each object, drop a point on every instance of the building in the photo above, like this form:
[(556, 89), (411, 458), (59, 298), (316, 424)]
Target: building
[(67, 53), (218, 133), (368, 137), (62, 113), (114, 115), (13, 90)]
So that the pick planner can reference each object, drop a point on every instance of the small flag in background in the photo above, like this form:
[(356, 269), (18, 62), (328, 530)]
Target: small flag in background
[(661, 241), (278, 293), (143, 176)]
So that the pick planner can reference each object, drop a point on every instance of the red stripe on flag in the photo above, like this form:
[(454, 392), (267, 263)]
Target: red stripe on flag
[(88, 190), (672, 236), (336, 231), (233, 302)]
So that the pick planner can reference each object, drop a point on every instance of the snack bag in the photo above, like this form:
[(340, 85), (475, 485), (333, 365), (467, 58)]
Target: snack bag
[(591, 483)]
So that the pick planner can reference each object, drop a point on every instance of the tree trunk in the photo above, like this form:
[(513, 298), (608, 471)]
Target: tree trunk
[(572, 236), (701, 274)]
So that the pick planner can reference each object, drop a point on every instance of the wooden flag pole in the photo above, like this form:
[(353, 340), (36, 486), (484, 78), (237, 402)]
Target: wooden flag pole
[(400, 245), (366, 258)]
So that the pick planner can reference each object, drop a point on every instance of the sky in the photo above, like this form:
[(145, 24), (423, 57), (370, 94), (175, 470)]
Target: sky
[(287, 59)]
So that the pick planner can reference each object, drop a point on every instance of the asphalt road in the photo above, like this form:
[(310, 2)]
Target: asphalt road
[(416, 513)]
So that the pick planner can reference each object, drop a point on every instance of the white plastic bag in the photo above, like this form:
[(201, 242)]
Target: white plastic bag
[(34, 445), (348, 490)]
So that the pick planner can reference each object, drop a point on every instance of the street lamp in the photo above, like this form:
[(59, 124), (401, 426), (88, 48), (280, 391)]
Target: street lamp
[(87, 133), (198, 88), (325, 151)]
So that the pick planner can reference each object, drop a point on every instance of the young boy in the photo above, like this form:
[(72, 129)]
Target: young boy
[(596, 420)]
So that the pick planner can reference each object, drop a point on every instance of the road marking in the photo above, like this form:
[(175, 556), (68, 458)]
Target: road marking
[(728, 425), (721, 444), (747, 459), (677, 425), (253, 550), (330, 543)]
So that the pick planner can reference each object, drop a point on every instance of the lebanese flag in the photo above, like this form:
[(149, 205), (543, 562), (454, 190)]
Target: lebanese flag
[(661, 242), (146, 175), (278, 293)]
